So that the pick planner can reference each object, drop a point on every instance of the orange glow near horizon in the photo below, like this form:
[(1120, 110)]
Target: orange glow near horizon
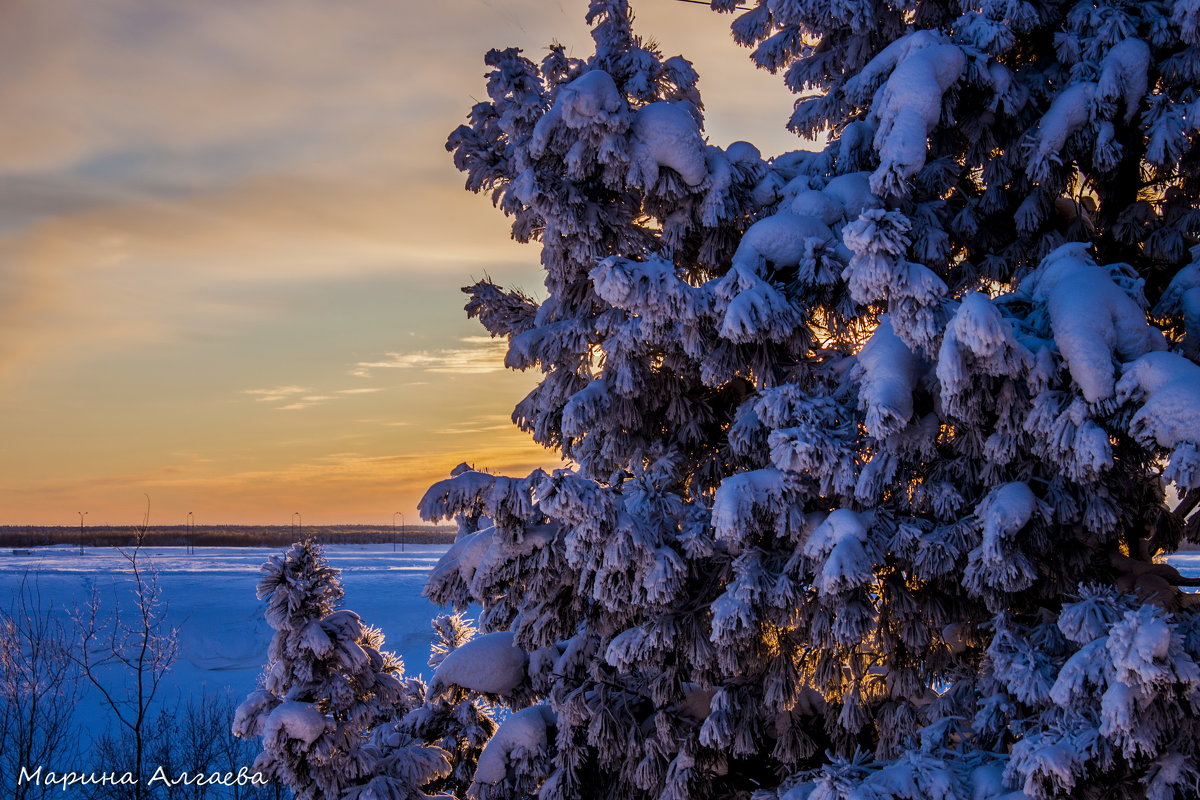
[(231, 262)]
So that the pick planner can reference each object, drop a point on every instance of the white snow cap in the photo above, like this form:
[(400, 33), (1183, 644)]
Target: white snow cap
[(978, 340), (251, 714), (980, 329), (840, 543), (890, 372), (464, 556), (590, 97), (1182, 296), (491, 663), (296, 720), (740, 496), (521, 736), (909, 106), (1006, 509), (1094, 322), (1072, 109), (780, 239), (1168, 387), (853, 191), (1123, 74), (998, 563), (821, 205), (743, 153), (667, 135)]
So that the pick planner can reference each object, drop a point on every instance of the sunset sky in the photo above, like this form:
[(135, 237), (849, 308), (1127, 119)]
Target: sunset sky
[(231, 243)]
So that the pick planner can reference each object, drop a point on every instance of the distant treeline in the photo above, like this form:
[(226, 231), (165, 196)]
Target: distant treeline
[(221, 535)]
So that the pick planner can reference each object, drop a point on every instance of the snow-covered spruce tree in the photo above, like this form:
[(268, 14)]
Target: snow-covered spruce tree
[(456, 719), (871, 442), (330, 696)]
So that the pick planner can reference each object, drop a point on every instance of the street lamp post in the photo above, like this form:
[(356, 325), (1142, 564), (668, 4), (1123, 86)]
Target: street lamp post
[(297, 523), (401, 532), (81, 514), (394, 515), (191, 526)]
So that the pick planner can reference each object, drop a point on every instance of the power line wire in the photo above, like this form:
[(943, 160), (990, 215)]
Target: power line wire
[(706, 2)]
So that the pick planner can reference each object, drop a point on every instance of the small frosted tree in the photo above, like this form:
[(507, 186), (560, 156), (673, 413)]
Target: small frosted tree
[(455, 719), (870, 441), (330, 695)]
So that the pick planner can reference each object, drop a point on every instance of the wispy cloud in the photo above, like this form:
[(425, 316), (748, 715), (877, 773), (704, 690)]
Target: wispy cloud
[(296, 396), (276, 394), (307, 401), (481, 355), (481, 424), (278, 390)]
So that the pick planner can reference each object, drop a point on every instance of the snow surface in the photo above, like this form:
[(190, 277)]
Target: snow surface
[(210, 597), (590, 97), (739, 494), (821, 205), (853, 191), (1183, 294)]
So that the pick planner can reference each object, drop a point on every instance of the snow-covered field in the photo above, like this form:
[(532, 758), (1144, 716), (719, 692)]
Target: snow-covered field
[(1187, 563), (211, 600)]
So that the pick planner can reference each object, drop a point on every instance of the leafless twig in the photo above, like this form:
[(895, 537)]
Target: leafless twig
[(141, 649)]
